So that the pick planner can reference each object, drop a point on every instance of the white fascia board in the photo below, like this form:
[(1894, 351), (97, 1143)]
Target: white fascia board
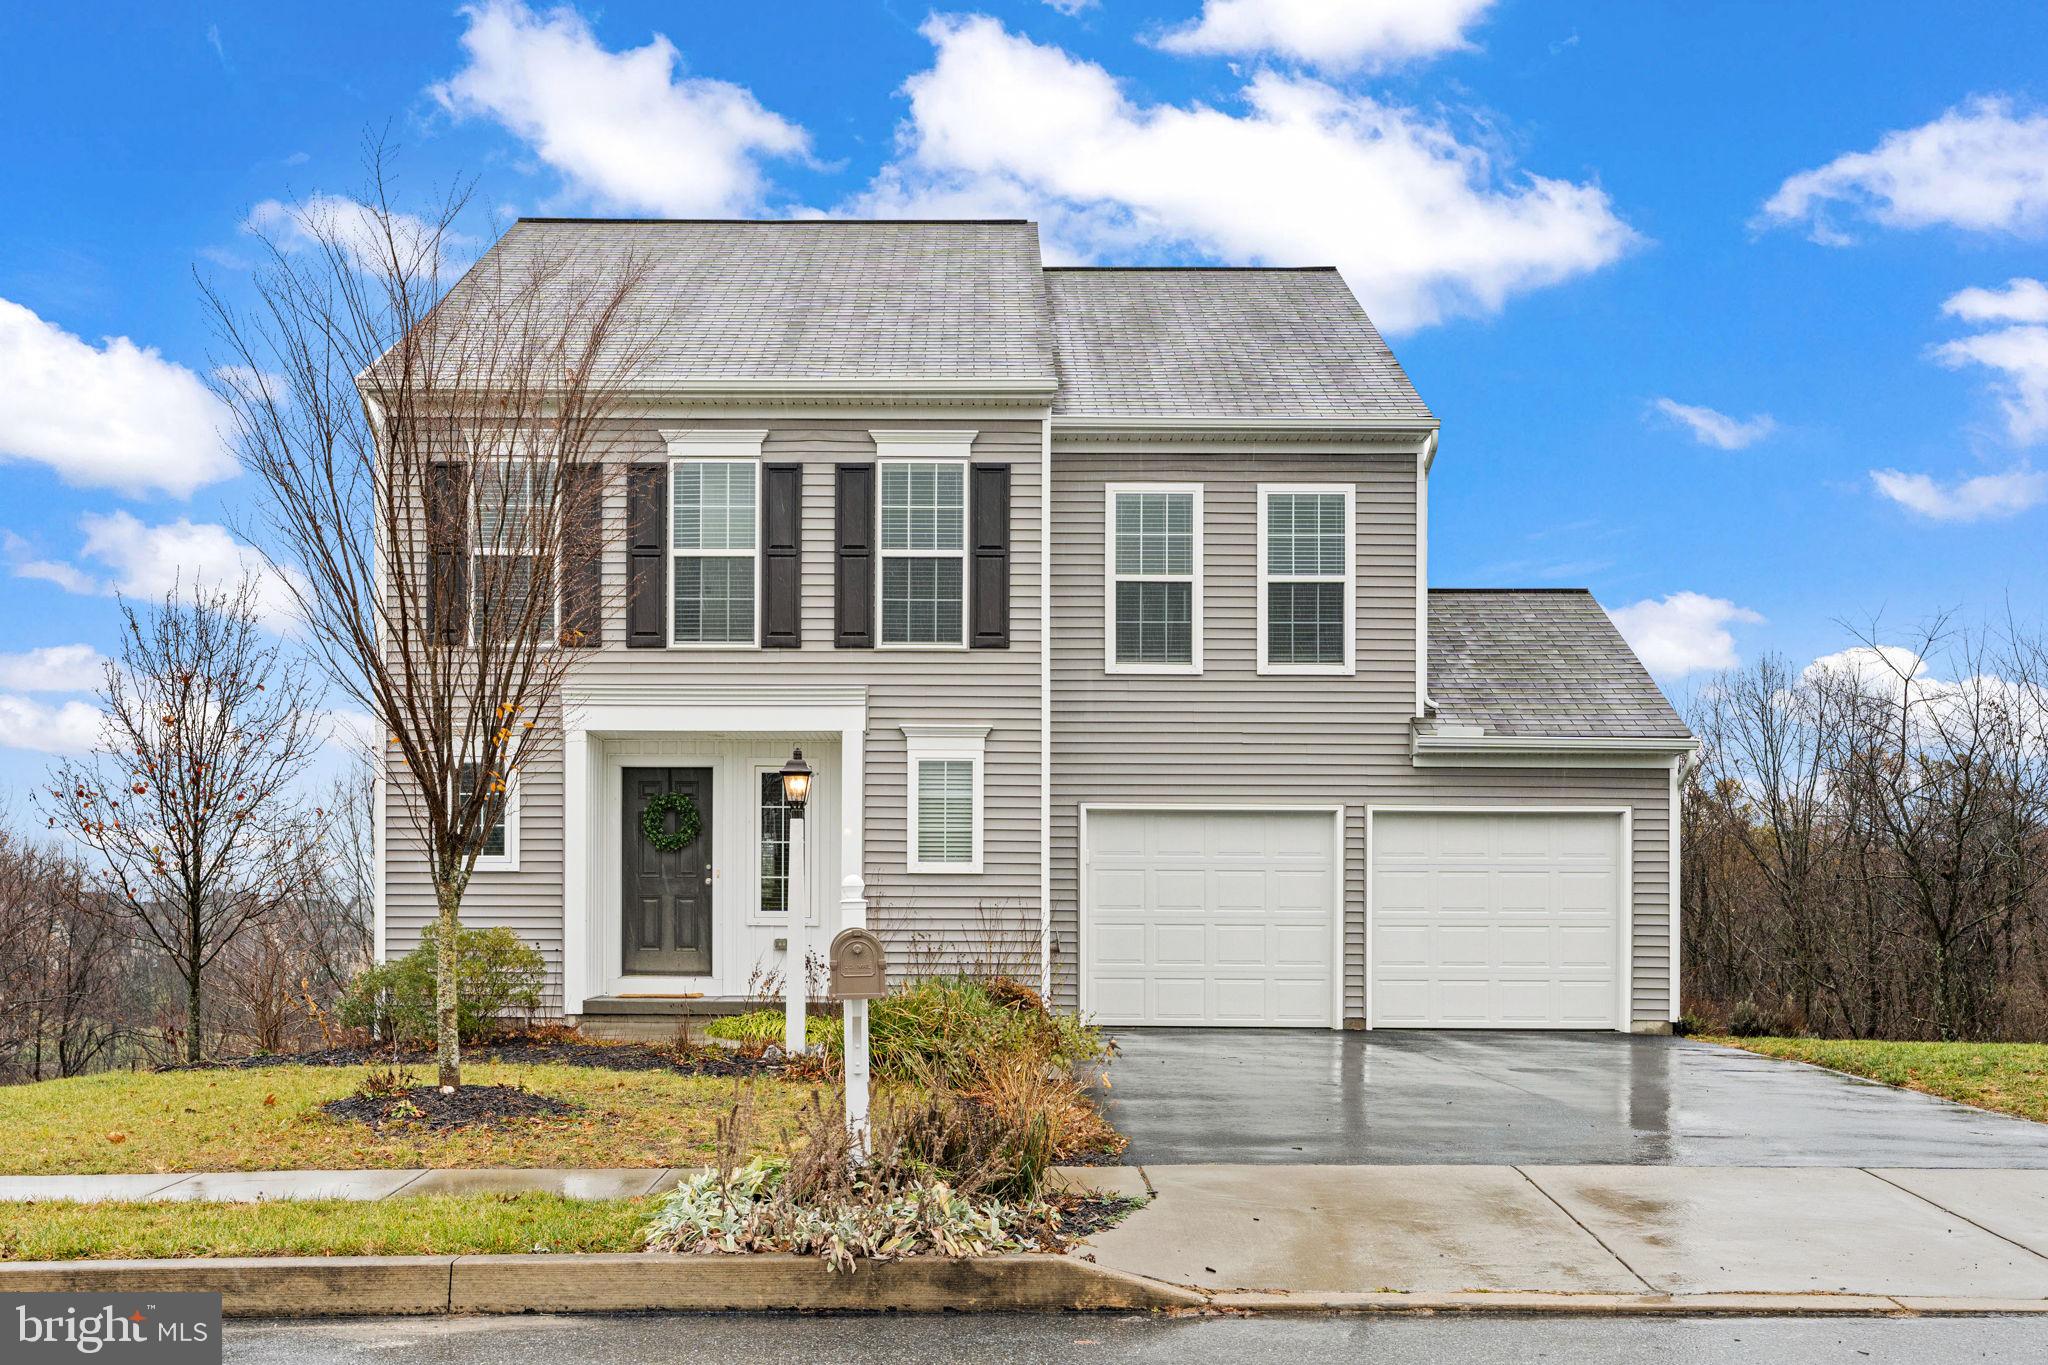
[(1545, 751)]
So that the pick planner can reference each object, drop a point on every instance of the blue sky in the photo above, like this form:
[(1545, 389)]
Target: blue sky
[(1730, 312)]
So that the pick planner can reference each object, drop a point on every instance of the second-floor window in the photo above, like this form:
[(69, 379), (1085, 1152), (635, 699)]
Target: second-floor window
[(503, 568), (714, 530), (1305, 565), (924, 552), (1155, 579)]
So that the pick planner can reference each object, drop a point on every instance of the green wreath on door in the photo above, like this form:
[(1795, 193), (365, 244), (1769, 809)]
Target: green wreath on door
[(654, 822)]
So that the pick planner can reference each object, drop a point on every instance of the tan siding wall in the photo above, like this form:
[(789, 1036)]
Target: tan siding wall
[(937, 920), (1232, 735)]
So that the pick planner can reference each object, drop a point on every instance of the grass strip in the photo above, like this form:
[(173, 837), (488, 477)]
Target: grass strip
[(2011, 1078)]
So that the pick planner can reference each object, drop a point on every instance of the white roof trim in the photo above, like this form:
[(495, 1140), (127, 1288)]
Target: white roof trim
[(1124, 422), (1546, 751)]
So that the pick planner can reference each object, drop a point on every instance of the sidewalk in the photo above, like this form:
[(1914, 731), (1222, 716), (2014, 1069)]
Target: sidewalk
[(1635, 1238), (1320, 1231), (244, 1186)]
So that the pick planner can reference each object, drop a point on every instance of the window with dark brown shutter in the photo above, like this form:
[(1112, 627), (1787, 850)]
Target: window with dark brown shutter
[(583, 557), (447, 517), (853, 570), (988, 589), (782, 555), (646, 556)]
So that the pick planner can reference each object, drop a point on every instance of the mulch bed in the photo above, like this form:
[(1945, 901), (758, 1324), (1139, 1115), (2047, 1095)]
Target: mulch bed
[(1084, 1215), (706, 1061), (424, 1106)]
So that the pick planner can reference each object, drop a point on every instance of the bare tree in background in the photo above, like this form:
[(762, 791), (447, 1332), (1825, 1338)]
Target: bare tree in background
[(435, 472), (188, 810), (65, 997)]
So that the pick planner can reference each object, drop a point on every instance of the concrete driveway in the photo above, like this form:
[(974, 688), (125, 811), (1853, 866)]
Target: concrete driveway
[(1560, 1099)]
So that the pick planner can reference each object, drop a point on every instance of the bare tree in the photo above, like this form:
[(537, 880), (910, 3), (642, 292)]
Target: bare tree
[(188, 809), (434, 470)]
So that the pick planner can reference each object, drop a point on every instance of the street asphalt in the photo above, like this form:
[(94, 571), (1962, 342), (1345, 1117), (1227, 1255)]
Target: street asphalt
[(1446, 1097), (748, 1339)]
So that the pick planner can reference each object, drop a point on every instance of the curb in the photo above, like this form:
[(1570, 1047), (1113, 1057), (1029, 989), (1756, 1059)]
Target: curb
[(378, 1286), (367, 1286)]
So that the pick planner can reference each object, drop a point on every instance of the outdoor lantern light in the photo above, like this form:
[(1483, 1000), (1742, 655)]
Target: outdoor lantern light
[(796, 784)]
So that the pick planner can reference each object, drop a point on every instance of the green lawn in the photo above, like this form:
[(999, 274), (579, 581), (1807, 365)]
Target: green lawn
[(268, 1118), (429, 1225), (2009, 1077)]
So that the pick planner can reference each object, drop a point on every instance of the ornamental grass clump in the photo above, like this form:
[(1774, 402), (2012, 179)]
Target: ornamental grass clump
[(945, 1175)]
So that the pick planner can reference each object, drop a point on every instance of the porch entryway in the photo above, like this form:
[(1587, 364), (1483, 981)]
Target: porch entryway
[(656, 926)]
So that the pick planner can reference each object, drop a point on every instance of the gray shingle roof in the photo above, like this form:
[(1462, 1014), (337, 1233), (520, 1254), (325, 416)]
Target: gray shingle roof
[(1221, 343), (1540, 663), (753, 301)]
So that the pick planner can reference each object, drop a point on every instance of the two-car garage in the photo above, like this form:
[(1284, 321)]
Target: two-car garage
[(1475, 918)]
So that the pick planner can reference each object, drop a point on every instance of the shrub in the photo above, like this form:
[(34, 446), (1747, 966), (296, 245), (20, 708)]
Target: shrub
[(950, 1024), (497, 974)]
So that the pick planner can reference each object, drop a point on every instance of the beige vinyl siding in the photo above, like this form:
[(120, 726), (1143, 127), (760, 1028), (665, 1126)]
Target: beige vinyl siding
[(936, 920), (1232, 735)]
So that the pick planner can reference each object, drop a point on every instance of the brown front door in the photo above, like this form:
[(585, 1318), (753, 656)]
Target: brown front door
[(667, 929)]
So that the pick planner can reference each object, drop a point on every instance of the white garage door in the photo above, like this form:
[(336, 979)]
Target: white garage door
[(1211, 917), (1495, 921)]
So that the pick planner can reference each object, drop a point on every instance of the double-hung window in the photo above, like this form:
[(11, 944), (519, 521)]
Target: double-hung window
[(511, 497), (945, 796), (1305, 578), (924, 552), (714, 529), (1155, 578)]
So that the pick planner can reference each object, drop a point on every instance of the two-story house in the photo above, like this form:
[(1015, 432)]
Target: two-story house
[(1098, 599)]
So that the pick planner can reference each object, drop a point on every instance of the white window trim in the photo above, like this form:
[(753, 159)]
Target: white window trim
[(955, 742), (709, 451), (508, 861), (1110, 578), (1349, 493), (938, 452), (477, 552)]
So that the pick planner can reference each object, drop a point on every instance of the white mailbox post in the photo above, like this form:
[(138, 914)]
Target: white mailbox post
[(859, 975)]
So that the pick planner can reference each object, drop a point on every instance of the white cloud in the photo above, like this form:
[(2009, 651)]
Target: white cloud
[(1981, 498), (1711, 428), (142, 561), (1334, 35), (370, 238), (2022, 300), (1978, 167), (54, 668), (1422, 224), (1683, 633), (1070, 8), (117, 415), (71, 728), (2019, 356), (626, 130)]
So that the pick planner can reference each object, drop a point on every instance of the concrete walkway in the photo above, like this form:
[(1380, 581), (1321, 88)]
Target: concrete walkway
[(245, 1186), (1969, 1234)]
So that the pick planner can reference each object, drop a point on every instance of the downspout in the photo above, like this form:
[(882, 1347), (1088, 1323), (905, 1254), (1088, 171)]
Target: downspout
[(1678, 763), (1045, 708)]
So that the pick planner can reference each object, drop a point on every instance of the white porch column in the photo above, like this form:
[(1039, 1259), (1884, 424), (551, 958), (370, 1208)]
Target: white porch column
[(577, 816), (853, 905)]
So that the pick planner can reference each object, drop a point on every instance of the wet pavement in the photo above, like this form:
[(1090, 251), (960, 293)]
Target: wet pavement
[(1506, 1098), (644, 1339)]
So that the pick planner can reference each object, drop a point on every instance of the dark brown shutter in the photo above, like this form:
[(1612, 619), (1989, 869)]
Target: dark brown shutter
[(447, 513), (853, 574), (988, 569), (782, 533), (646, 551), (583, 556)]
